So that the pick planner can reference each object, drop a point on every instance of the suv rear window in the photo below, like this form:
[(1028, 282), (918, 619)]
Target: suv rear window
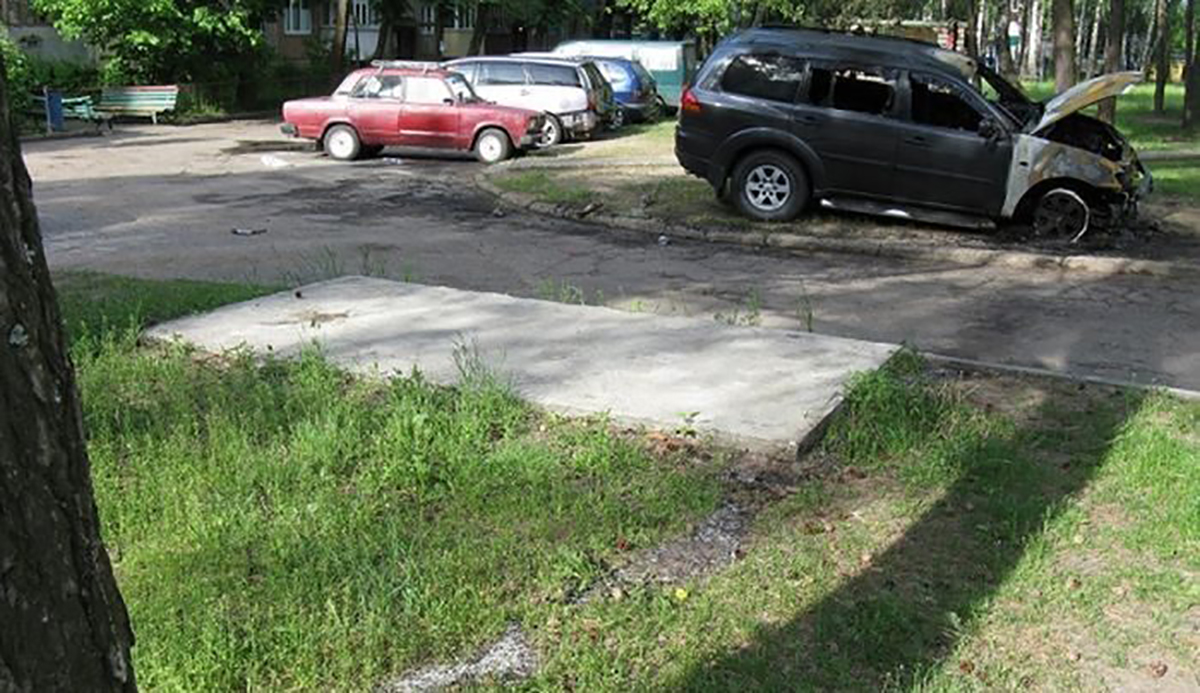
[(853, 89), (553, 75), (772, 77)]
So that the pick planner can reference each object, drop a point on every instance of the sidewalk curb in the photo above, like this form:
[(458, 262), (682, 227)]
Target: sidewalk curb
[(804, 244)]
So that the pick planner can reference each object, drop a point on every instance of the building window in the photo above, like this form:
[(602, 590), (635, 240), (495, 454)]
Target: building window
[(297, 17), (464, 16), (363, 14), (428, 19)]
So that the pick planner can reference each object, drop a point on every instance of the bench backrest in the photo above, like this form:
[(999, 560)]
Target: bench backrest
[(143, 99)]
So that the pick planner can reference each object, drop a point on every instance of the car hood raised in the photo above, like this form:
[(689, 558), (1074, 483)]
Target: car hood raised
[(1085, 94)]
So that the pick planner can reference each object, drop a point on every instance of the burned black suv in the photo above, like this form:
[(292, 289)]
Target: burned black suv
[(779, 118)]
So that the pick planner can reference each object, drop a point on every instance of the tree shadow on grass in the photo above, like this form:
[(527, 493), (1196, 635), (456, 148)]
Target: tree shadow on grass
[(899, 618)]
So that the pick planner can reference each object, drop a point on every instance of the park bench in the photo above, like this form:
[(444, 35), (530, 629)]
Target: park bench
[(139, 101), (74, 107)]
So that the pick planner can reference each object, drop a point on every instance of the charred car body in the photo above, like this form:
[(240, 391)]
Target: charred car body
[(777, 118)]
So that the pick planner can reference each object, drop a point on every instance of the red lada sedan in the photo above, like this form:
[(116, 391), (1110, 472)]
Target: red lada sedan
[(410, 105)]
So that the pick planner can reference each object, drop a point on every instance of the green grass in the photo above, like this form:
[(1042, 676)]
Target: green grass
[(544, 186), (281, 525), (962, 549), (1177, 178)]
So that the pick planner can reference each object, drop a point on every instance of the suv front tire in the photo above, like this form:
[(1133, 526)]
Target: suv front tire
[(769, 186)]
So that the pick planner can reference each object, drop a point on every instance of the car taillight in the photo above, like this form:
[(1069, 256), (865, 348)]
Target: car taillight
[(688, 103)]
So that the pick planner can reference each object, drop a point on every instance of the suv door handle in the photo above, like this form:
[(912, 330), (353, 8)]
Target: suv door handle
[(917, 141), (808, 119)]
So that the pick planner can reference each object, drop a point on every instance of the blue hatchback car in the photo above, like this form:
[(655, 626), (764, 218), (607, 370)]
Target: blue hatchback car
[(633, 88)]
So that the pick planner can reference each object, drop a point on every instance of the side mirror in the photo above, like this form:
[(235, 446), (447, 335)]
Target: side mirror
[(449, 101), (989, 129)]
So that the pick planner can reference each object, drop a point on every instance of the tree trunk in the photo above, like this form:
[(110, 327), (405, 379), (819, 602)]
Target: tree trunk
[(64, 624), (1095, 49), (439, 28), (1162, 68), (341, 24), (1189, 37), (1191, 97), (385, 38), (1113, 51), (973, 22), (1080, 35), (1064, 44), (479, 33), (1033, 49)]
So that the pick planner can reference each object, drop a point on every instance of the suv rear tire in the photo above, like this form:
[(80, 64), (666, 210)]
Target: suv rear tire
[(769, 186)]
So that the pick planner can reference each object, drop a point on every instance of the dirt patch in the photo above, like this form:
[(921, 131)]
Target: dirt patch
[(509, 660)]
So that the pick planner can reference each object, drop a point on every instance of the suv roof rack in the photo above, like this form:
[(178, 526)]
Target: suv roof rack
[(425, 65)]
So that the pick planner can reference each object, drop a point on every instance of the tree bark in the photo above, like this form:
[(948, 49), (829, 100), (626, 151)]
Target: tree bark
[(1095, 49), (1189, 34), (479, 33), (1064, 44), (1162, 68), (1113, 52), (1033, 48), (341, 24), (63, 624)]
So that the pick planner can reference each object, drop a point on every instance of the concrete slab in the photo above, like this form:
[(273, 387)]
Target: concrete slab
[(751, 385)]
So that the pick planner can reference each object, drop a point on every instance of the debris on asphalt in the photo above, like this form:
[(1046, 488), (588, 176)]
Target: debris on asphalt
[(664, 240), (590, 208), (498, 213), (508, 660), (239, 231), (272, 161), (392, 161)]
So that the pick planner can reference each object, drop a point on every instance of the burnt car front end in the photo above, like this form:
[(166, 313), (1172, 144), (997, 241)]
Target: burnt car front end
[(1083, 153)]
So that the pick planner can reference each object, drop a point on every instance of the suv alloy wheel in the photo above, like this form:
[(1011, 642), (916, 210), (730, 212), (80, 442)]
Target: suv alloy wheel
[(769, 186)]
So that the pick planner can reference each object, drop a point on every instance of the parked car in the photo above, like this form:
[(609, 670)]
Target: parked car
[(633, 88), (671, 63), (410, 105), (573, 94), (780, 117)]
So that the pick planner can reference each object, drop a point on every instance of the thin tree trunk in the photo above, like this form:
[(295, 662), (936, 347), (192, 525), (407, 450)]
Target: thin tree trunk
[(479, 33), (973, 19), (385, 38), (1147, 64), (1162, 70), (1189, 37), (439, 28), (1095, 49), (1191, 97), (1064, 44), (1080, 35), (1113, 53), (341, 24), (63, 624), (1033, 52)]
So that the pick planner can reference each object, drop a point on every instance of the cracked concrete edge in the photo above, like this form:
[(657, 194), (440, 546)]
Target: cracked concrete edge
[(801, 243)]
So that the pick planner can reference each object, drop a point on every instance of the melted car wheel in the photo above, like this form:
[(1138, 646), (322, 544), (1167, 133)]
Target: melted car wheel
[(341, 143), (492, 146), (1062, 213), (770, 186)]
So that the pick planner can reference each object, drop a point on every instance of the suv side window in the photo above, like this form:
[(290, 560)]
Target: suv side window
[(553, 75), (501, 73), (770, 76), (859, 89), (938, 103)]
